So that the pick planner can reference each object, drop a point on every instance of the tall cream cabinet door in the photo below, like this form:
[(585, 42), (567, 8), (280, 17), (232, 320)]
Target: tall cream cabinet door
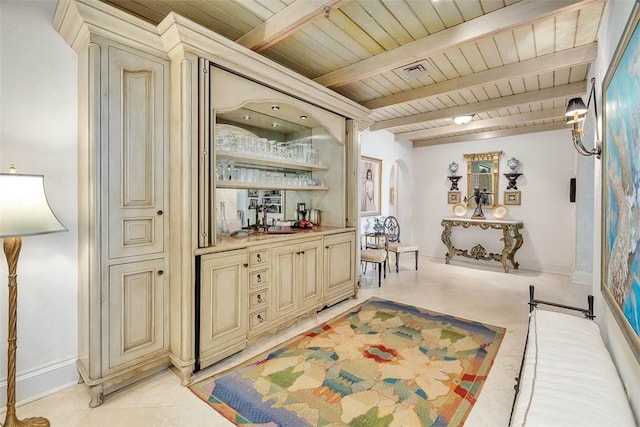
[(339, 272), (223, 305), (136, 170), (137, 325)]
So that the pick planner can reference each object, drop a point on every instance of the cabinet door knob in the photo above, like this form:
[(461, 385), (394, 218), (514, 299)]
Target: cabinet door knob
[(245, 265), (302, 252), (326, 247), (160, 212), (259, 298), (259, 279), (160, 272), (259, 258)]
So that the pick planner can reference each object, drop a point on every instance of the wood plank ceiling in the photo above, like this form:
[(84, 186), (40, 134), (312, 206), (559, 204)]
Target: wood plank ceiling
[(416, 64)]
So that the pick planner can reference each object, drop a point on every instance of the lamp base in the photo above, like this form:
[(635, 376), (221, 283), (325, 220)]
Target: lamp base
[(13, 421)]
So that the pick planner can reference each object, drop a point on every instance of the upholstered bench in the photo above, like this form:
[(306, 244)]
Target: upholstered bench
[(567, 377)]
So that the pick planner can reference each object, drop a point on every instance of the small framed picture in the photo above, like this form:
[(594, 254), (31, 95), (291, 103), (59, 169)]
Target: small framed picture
[(512, 197), (453, 197)]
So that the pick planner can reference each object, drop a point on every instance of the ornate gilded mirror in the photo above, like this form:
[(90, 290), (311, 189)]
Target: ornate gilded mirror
[(483, 172)]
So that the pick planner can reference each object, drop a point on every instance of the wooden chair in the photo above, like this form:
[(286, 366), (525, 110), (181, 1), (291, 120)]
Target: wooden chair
[(392, 229), (375, 256)]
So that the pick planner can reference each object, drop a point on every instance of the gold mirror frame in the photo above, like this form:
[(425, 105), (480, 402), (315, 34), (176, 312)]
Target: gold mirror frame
[(493, 156)]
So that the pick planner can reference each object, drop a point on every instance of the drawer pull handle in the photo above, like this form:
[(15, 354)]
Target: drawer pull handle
[(259, 258), (259, 279), (259, 298), (260, 318)]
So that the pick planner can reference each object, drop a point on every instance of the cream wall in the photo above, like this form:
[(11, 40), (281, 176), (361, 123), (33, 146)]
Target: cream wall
[(547, 162), (616, 15), (38, 133)]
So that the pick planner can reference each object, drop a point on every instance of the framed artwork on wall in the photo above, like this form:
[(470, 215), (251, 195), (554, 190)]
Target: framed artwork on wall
[(370, 186), (620, 282), (512, 197), (453, 197)]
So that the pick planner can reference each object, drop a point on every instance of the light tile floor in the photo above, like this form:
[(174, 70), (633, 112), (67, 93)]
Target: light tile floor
[(480, 292)]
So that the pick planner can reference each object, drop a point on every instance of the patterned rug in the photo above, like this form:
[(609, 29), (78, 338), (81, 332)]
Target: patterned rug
[(379, 364)]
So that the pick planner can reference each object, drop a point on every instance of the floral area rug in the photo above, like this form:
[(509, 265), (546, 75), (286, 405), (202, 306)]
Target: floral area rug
[(379, 364)]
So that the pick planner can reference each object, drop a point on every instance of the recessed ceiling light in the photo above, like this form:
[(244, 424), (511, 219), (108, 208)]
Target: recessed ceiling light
[(246, 117), (462, 120), (275, 107), (303, 117), (274, 125)]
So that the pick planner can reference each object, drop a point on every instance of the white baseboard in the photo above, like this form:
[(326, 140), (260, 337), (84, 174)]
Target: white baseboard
[(41, 381)]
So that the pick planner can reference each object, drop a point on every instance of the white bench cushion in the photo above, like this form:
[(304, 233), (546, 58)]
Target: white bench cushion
[(568, 378)]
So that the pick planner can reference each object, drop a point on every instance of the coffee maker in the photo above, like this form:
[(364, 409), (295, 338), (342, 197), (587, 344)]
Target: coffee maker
[(302, 212)]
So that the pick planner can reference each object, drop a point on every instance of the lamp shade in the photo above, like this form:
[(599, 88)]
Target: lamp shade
[(575, 105), (24, 209)]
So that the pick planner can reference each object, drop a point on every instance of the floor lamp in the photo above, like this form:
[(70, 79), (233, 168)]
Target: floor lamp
[(24, 211)]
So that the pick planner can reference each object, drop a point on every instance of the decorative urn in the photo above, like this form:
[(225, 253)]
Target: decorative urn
[(513, 163), (453, 167)]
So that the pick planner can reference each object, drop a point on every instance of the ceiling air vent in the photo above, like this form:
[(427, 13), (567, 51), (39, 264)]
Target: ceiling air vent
[(416, 70)]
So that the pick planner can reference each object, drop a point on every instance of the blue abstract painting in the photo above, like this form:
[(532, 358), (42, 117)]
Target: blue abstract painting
[(621, 183)]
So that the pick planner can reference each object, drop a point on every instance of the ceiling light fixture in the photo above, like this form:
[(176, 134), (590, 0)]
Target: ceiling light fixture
[(246, 117), (576, 115), (275, 107), (463, 120), (303, 117)]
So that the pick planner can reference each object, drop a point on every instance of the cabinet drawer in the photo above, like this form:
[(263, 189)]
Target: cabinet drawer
[(258, 299), (258, 319), (258, 258), (258, 278)]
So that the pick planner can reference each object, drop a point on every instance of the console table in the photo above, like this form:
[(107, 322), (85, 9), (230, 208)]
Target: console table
[(511, 239)]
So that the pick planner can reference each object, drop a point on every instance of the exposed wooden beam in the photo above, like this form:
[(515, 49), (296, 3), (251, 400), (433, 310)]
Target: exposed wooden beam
[(506, 18), (553, 61), (570, 90), (512, 120), (492, 134), (285, 22)]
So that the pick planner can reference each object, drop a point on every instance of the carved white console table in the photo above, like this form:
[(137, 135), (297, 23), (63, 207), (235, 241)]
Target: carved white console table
[(511, 239)]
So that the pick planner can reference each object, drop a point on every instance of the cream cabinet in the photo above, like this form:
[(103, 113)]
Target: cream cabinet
[(144, 302), (135, 325), (259, 290), (123, 286), (339, 266), (223, 305), (296, 278)]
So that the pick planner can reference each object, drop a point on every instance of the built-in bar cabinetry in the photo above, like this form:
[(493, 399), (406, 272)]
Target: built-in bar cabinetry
[(168, 164)]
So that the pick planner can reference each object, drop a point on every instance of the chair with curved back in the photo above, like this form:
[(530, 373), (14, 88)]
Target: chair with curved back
[(392, 230)]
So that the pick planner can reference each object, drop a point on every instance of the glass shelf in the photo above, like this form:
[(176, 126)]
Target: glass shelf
[(249, 160), (260, 186)]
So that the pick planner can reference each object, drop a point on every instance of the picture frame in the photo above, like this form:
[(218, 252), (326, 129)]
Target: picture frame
[(370, 186), (454, 197), (511, 197), (620, 260)]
